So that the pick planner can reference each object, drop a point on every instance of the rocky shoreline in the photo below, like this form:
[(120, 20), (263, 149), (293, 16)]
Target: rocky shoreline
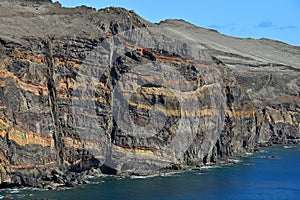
[(59, 180)]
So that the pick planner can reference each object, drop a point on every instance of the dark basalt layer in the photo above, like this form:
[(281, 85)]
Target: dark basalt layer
[(83, 90)]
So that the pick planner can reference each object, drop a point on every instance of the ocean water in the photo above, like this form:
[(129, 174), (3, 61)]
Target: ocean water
[(274, 174)]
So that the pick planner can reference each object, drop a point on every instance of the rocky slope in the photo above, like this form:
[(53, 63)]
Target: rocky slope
[(83, 89)]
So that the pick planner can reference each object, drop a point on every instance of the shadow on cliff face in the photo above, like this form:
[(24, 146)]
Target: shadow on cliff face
[(164, 99)]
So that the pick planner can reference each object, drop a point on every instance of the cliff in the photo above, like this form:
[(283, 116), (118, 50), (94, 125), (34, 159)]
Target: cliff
[(86, 89)]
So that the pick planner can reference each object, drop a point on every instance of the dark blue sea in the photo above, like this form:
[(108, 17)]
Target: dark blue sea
[(273, 174)]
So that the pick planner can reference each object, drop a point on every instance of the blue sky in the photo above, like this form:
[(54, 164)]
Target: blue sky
[(275, 19)]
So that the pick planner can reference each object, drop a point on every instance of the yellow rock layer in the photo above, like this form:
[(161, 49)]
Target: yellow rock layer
[(3, 128), (4, 74), (279, 117), (145, 153), (189, 113), (2, 84), (72, 143), (240, 114), (135, 150), (22, 137), (24, 55), (24, 166), (37, 89), (33, 88), (176, 112), (64, 85)]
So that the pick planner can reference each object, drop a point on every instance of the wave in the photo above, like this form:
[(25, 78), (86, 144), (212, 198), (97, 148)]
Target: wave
[(90, 176), (289, 147), (167, 174), (13, 191), (210, 167), (248, 164), (144, 177)]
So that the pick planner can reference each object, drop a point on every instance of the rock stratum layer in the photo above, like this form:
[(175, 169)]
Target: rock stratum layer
[(83, 89)]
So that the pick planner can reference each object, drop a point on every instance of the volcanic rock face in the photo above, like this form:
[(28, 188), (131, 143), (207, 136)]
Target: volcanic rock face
[(84, 89)]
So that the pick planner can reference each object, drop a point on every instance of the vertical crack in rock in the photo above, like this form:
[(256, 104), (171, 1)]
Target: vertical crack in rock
[(58, 144), (111, 124)]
